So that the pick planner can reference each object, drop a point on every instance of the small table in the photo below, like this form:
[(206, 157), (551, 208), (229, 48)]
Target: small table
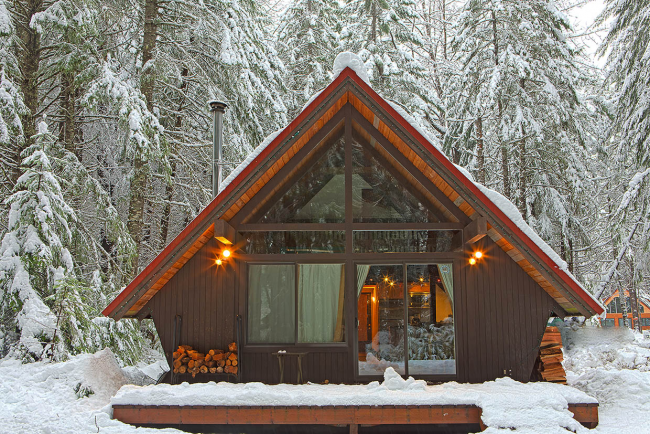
[(282, 355)]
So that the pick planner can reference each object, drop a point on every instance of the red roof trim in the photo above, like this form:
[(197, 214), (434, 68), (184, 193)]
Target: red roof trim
[(480, 195), (349, 73), (153, 265)]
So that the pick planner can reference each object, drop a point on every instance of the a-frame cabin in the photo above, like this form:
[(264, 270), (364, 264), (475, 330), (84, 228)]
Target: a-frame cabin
[(354, 247)]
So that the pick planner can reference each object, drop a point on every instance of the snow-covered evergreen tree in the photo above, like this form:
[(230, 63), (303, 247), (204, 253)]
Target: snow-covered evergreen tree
[(384, 34), (628, 147), (34, 254), (308, 41), (517, 105)]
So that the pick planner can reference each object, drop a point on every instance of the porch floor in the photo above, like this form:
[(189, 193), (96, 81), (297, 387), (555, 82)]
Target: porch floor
[(394, 402), (352, 415)]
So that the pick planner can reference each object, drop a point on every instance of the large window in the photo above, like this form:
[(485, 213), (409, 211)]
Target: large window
[(319, 195), (416, 340), (272, 309)]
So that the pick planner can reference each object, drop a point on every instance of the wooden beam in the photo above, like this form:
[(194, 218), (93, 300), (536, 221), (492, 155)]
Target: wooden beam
[(172, 415), (475, 231), (223, 232)]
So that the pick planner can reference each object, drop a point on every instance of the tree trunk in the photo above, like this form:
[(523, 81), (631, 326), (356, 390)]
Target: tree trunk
[(68, 130), (480, 156), (169, 188), (140, 167), (29, 59), (373, 29)]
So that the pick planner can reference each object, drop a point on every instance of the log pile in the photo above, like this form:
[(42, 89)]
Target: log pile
[(549, 363), (188, 360)]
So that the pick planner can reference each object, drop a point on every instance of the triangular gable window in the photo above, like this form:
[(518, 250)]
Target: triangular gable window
[(319, 195), (380, 194)]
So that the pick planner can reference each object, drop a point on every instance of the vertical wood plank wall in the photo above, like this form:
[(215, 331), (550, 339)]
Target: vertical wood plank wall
[(205, 297), (501, 314)]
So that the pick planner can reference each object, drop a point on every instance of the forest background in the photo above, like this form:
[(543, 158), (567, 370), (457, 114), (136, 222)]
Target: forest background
[(105, 138)]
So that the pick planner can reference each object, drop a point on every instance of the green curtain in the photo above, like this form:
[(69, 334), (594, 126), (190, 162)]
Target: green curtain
[(362, 274), (447, 278), (320, 302), (271, 303)]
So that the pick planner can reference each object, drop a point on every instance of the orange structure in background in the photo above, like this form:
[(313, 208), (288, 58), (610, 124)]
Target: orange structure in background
[(615, 314)]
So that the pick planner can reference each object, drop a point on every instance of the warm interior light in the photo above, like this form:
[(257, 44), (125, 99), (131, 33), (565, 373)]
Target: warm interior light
[(472, 261), (218, 262), (385, 279), (374, 299), (226, 253), (478, 255), (392, 283), (421, 279)]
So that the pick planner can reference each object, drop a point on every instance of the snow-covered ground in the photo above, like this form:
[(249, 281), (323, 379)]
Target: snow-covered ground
[(610, 365), (613, 366)]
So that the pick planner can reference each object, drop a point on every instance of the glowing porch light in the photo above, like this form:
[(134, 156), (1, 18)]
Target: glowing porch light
[(478, 254), (472, 261), (218, 261), (226, 253)]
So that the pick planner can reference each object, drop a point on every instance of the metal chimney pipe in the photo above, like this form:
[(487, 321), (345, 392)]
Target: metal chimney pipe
[(218, 108)]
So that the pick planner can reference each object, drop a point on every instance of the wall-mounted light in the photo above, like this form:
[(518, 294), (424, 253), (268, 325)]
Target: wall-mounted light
[(226, 253), (218, 261), (475, 257)]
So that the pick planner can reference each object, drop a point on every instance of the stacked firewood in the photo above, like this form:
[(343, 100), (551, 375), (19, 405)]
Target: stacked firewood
[(188, 360), (550, 358)]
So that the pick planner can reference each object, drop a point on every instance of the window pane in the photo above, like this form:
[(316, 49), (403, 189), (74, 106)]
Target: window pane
[(431, 337), (378, 196), (320, 303), (317, 197), (271, 303), (380, 291), (404, 241), (274, 242)]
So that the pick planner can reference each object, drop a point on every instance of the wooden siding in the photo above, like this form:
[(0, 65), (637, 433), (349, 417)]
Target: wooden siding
[(318, 365), (186, 256), (205, 297), (501, 314)]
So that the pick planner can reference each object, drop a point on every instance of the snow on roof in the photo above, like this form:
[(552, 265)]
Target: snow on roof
[(257, 151), (350, 60), (505, 402)]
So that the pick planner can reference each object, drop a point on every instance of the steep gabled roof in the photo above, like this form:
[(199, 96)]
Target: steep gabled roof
[(505, 225)]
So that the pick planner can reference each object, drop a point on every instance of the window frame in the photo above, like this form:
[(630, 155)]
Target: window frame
[(295, 343)]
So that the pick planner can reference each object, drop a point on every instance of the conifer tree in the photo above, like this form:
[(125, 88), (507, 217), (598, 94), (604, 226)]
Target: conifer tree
[(517, 101), (34, 254), (384, 34), (308, 42), (628, 145)]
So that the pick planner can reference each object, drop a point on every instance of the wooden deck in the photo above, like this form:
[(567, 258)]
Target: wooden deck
[(352, 416)]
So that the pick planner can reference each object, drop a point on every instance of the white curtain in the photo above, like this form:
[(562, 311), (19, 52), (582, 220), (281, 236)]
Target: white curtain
[(362, 274), (447, 278), (320, 301), (271, 303)]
